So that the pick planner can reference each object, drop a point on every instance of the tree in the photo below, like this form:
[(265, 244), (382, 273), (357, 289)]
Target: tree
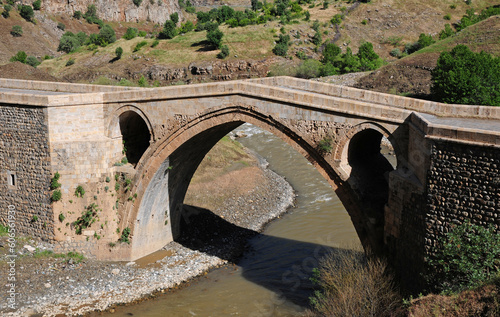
[(330, 53), (350, 62), (425, 40), (224, 52), (174, 17), (107, 34), (215, 38), (224, 13), (16, 31), (19, 57), (281, 48), (254, 4), (68, 43), (447, 32), (169, 31), (316, 39), (119, 52), (6, 10), (130, 33), (26, 12), (369, 60), (464, 77), (310, 68), (32, 61), (37, 4)]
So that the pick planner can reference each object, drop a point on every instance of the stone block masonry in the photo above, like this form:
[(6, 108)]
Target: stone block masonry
[(463, 184), (25, 170)]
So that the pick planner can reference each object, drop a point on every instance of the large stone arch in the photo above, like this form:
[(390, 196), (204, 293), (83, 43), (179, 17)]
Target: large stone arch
[(154, 217)]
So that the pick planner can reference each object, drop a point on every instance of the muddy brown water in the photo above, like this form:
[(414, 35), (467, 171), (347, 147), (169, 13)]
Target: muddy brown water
[(272, 278)]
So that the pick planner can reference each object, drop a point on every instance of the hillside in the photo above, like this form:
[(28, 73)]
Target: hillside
[(187, 58), (412, 74)]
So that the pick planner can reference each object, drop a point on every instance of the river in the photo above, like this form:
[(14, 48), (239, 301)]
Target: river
[(272, 278)]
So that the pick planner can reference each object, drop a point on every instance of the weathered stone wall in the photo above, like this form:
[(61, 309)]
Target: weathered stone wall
[(463, 184), (25, 170)]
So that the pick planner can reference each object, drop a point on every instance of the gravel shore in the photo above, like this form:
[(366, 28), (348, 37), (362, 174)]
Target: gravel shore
[(50, 286)]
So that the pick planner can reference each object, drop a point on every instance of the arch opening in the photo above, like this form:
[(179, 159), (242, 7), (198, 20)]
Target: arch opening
[(369, 175), (136, 136)]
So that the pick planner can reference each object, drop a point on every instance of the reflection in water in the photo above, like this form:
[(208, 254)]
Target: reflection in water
[(272, 278)]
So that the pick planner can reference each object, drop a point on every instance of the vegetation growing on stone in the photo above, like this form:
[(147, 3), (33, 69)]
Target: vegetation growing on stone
[(125, 236), (79, 191), (88, 217)]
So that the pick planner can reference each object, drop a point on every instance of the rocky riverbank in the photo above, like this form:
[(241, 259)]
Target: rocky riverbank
[(50, 286)]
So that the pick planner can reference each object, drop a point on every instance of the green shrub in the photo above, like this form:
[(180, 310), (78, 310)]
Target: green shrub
[(139, 45), (61, 217), (19, 57), (137, 2), (331, 53), (70, 62), (107, 34), (447, 17), (224, 52), (447, 32), (468, 257), (155, 43), (301, 55), (316, 39), (56, 195), (425, 40), (125, 236), (309, 68), (5, 12), (169, 30), (191, 9), (130, 33), (37, 4), (395, 52), (69, 43), (26, 12), (142, 34), (215, 38), (32, 61), (34, 218), (79, 191), (119, 52), (142, 83), (61, 26), (325, 145), (174, 17), (88, 217), (91, 15), (464, 77), (16, 31), (77, 15), (369, 60), (186, 27), (336, 19)]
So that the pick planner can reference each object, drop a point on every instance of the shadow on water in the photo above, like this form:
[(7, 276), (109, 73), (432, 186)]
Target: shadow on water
[(281, 265)]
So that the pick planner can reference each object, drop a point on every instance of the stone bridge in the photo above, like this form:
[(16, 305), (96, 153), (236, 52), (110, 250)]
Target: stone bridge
[(448, 159)]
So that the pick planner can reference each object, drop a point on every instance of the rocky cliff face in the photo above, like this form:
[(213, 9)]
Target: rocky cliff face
[(117, 10)]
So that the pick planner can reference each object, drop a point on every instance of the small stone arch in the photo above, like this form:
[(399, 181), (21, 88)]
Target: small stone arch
[(135, 129), (367, 171)]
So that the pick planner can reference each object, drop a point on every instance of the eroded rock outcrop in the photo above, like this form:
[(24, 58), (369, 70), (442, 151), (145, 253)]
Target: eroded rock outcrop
[(117, 10)]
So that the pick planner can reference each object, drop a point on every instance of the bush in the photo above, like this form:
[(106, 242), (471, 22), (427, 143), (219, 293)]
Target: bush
[(130, 33), (139, 45), (186, 27), (88, 217), (155, 43), (369, 60), (174, 17), (224, 52), (301, 55), (464, 77), (68, 43), (26, 12), (56, 195), (190, 9), (5, 12), (19, 57), (395, 52), (79, 191), (37, 4), (77, 15), (330, 53), (425, 40), (316, 39), (32, 61), (54, 182), (215, 38), (447, 17), (16, 31), (142, 34), (137, 2), (353, 285), (107, 34), (447, 32), (61, 26), (70, 62), (309, 68), (91, 15), (142, 83), (468, 257), (119, 52), (125, 236), (169, 30)]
